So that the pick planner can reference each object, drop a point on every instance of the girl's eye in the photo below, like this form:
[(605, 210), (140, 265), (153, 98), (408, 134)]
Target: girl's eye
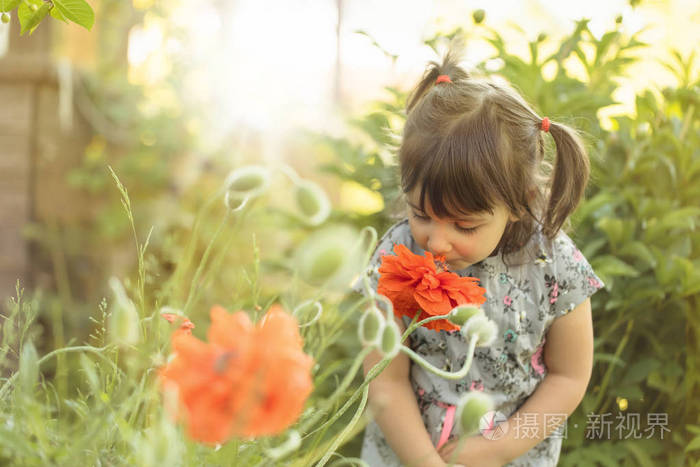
[(467, 230), (419, 217)]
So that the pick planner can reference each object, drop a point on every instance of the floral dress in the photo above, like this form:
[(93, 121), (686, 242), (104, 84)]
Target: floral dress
[(524, 295)]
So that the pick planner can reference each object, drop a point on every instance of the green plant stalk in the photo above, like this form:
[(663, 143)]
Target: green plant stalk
[(217, 262), (126, 203), (347, 380), (182, 266), (202, 263), (608, 372), (339, 438), (315, 454), (441, 373), (81, 348), (59, 342), (371, 374), (338, 323)]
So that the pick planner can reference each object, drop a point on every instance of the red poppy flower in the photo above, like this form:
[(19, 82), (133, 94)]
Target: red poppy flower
[(248, 380), (414, 282)]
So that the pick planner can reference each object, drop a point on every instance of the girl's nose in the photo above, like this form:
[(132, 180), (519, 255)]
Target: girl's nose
[(438, 244)]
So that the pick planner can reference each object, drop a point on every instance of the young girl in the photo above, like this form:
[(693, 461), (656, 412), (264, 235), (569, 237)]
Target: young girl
[(480, 193)]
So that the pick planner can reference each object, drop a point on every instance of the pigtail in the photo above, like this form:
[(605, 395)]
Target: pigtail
[(449, 67), (571, 169)]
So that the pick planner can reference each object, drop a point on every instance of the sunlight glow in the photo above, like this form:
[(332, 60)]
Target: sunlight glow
[(270, 65)]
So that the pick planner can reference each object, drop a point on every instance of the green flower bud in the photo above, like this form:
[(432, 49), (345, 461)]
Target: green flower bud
[(124, 322), (384, 305), (327, 263), (391, 340), (479, 16), (5, 18), (308, 308), (247, 182), (471, 408), (541, 37), (313, 202), (483, 328), (235, 202), (462, 313), (618, 19), (327, 257), (371, 326)]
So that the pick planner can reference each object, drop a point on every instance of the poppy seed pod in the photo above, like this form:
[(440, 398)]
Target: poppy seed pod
[(311, 308), (234, 202), (247, 182), (384, 305), (482, 327), (471, 408), (462, 313), (313, 202), (391, 340), (326, 258), (371, 326)]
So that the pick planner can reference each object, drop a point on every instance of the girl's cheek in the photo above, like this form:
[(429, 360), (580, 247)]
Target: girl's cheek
[(418, 235)]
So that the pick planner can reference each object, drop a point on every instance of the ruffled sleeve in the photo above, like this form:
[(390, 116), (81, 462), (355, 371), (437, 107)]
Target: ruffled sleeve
[(572, 278)]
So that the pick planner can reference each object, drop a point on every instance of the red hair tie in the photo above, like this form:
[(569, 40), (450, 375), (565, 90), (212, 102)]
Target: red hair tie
[(443, 79), (545, 124)]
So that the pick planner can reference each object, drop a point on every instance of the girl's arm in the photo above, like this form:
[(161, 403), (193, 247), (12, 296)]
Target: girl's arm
[(395, 409), (568, 355)]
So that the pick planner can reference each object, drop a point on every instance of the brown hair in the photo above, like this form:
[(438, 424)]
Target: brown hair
[(471, 143)]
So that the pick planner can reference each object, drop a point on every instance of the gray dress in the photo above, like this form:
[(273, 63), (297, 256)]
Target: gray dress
[(525, 294)]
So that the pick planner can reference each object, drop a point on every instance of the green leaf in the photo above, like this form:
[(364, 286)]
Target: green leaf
[(613, 228), (639, 371), (8, 5), (610, 358), (642, 456), (631, 392), (640, 251), (57, 15), (694, 445), (29, 19), (78, 11), (611, 266)]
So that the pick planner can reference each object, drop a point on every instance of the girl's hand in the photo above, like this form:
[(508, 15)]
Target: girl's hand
[(474, 451)]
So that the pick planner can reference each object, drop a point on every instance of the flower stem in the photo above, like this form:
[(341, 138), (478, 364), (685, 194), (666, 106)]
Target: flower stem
[(441, 373), (328, 403), (202, 263), (341, 436)]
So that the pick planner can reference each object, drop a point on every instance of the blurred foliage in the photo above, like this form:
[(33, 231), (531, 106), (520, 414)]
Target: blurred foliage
[(101, 402), (637, 227)]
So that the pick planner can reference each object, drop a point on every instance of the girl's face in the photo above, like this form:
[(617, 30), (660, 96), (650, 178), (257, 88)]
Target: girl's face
[(462, 241)]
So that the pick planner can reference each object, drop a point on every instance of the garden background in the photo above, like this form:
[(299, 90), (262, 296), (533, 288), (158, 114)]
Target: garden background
[(173, 95)]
